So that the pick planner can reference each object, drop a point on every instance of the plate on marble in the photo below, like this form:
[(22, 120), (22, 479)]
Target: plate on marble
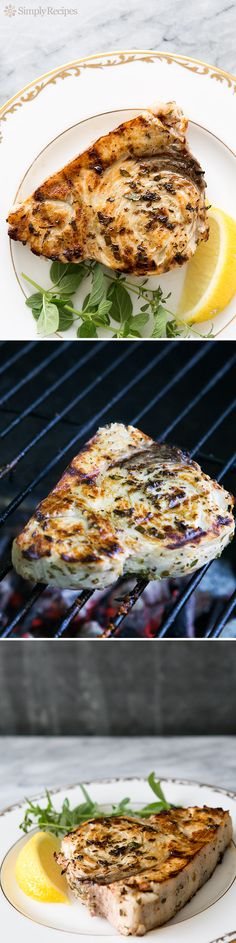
[(63, 112), (210, 913)]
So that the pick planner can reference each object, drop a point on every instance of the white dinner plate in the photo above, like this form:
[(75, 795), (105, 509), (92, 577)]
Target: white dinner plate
[(210, 916), (60, 114)]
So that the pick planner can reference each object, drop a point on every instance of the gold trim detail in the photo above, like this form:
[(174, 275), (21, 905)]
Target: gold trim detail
[(229, 938), (34, 88)]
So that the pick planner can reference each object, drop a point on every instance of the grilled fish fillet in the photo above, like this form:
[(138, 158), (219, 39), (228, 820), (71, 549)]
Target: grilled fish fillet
[(139, 875), (134, 200), (126, 504)]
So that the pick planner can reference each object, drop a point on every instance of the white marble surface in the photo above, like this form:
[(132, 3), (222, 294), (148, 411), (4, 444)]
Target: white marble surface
[(29, 764), (32, 44)]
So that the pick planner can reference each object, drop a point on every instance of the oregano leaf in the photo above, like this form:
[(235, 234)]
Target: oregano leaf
[(48, 320)]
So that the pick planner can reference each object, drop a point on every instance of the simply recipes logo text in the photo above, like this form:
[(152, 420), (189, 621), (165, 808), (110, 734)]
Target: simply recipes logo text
[(11, 10)]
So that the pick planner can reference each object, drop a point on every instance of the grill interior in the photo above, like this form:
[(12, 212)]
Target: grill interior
[(53, 397)]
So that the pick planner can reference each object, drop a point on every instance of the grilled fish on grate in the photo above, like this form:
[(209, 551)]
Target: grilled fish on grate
[(134, 200), (139, 874), (125, 504)]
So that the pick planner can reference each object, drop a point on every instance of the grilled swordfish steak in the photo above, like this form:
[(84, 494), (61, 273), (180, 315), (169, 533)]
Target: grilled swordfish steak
[(135, 200), (125, 505), (139, 875)]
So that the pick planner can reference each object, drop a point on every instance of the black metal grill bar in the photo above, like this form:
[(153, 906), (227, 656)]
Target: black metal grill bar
[(125, 607), (216, 630), (7, 567), (215, 425), (40, 399), (87, 427), (17, 356), (191, 363), (29, 376), (195, 579), (226, 467), (168, 386), (73, 611), (77, 399), (36, 592), (196, 399), (56, 419), (212, 458)]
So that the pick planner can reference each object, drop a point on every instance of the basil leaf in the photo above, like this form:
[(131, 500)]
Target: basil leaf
[(87, 329), (48, 320), (122, 306)]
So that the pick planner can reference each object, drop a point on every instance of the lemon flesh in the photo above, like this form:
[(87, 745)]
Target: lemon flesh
[(37, 872), (210, 281)]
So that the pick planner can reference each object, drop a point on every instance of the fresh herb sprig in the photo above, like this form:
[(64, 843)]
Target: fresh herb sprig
[(108, 304), (46, 818)]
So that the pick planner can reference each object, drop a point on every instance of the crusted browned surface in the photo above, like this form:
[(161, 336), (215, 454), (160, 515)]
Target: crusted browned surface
[(126, 504), (133, 856), (134, 200)]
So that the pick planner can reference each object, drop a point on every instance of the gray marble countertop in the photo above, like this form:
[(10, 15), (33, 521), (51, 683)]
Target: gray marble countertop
[(36, 38), (29, 764)]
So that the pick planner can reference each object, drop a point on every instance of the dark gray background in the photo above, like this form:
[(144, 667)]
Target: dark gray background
[(132, 687)]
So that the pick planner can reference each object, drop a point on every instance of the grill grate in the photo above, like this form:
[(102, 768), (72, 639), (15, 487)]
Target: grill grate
[(123, 360)]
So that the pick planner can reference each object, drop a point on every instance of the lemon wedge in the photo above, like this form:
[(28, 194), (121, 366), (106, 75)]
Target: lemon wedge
[(210, 281), (37, 872)]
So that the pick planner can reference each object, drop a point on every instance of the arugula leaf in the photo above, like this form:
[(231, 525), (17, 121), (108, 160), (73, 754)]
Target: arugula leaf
[(155, 785), (47, 818), (48, 320)]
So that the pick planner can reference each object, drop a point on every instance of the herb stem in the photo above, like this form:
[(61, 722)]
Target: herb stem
[(43, 291)]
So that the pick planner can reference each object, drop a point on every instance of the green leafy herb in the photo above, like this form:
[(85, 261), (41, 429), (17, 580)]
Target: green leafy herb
[(107, 304), (47, 818), (121, 302), (99, 286), (48, 320)]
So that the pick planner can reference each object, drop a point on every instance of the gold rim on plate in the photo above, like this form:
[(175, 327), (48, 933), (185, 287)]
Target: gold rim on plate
[(146, 55)]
